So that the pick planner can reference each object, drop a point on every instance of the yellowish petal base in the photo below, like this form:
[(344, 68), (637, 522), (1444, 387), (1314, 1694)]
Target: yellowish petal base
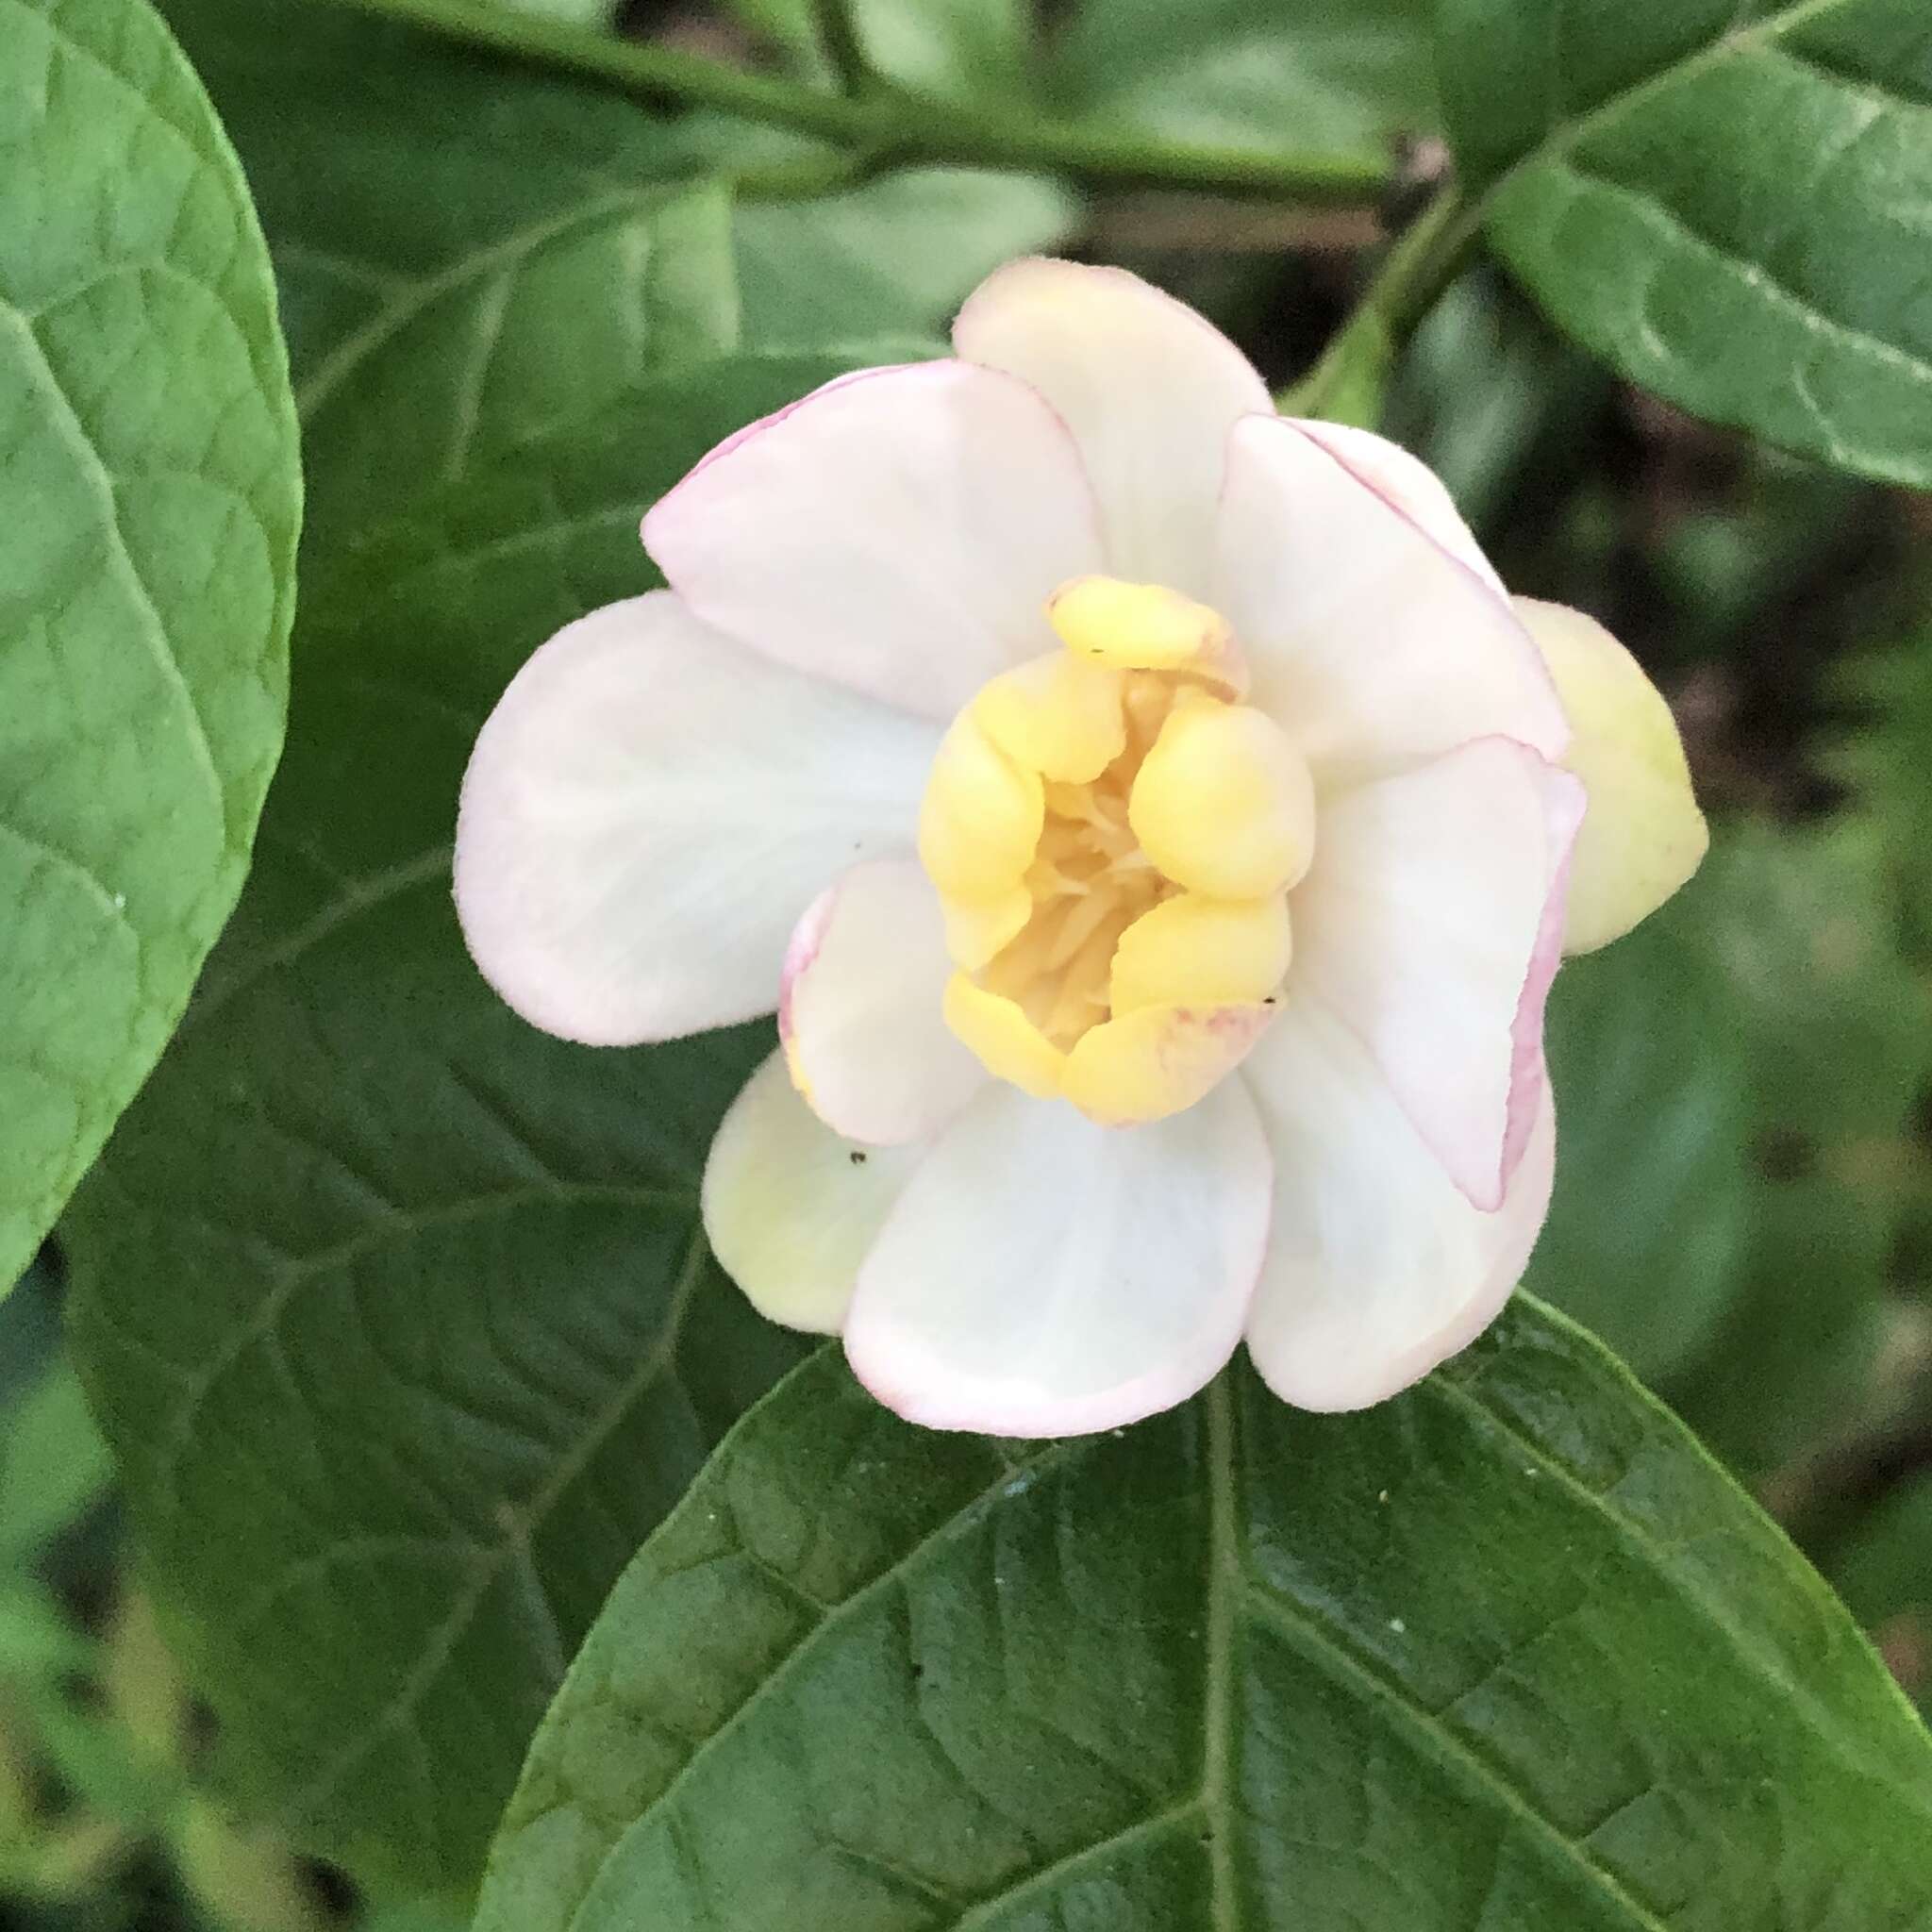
[(1642, 834)]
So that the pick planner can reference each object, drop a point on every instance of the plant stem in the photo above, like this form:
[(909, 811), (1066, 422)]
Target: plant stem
[(1424, 259), (878, 123), (844, 47)]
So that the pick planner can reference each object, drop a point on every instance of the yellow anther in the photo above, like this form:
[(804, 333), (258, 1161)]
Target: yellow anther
[(1143, 628), (981, 817), (1148, 1064), (1009, 1043), (1224, 804), (979, 928), (1059, 716), (1201, 952), (1112, 840)]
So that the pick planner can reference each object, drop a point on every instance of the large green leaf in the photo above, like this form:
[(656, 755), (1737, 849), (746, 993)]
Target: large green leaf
[(149, 497), (1731, 204), (443, 220), (396, 1311), (1506, 1652), (1341, 77), (468, 258)]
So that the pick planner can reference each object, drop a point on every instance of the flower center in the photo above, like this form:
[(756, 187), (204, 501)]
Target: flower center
[(1113, 836)]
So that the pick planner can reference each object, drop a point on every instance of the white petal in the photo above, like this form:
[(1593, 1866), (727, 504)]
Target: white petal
[(862, 1015), (1045, 1276), (899, 530), (1431, 925), (1369, 642), (1149, 389), (1377, 1267), (649, 809), (791, 1207), (1408, 485)]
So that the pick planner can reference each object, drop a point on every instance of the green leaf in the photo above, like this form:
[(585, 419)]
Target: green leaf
[(1506, 1651), (1793, 1364), (440, 221), (1883, 1569), (53, 1466), (396, 1311), (1339, 77), (1736, 1081), (961, 50), (1647, 1228), (444, 225), (1885, 762), (149, 498), (894, 257), (1496, 403), (1728, 203)]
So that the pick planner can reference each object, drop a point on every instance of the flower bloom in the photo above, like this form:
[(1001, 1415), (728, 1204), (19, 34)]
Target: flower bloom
[(1154, 825)]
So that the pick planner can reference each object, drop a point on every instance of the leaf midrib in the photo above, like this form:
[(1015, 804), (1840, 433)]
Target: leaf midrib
[(1234, 1590)]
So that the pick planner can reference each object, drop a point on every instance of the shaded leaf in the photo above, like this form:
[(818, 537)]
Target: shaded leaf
[(1337, 78), (1647, 1228), (149, 497), (1736, 1082), (470, 253), (396, 1311), (961, 50), (1506, 1651), (443, 223), (53, 1464), (1883, 1569)]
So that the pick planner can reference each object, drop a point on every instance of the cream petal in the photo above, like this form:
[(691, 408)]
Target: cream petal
[(1373, 645), (862, 1016), (791, 1207), (898, 531), (1042, 1276), (1149, 389), (1378, 1268), (1430, 925), (1643, 835), (648, 811)]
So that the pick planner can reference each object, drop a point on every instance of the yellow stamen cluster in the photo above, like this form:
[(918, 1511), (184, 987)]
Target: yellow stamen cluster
[(1113, 835)]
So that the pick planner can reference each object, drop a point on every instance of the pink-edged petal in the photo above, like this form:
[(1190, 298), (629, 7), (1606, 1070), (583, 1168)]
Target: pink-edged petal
[(1044, 1276), (862, 1016), (1373, 645), (1149, 389), (899, 531), (1431, 926), (1408, 485), (649, 809), (791, 1207), (1377, 1268)]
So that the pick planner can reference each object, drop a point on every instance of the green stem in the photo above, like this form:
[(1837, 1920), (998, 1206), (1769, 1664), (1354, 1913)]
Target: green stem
[(909, 129), (844, 46), (1424, 259)]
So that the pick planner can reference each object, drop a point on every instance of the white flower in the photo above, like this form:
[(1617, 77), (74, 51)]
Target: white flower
[(1149, 817)]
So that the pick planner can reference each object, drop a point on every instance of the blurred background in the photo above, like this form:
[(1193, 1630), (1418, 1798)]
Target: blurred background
[(1744, 1198)]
